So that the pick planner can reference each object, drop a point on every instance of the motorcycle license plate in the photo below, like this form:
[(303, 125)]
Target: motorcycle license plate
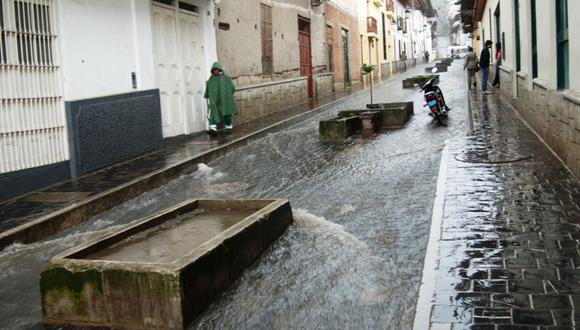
[(432, 103)]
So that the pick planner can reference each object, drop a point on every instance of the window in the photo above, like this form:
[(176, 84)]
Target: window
[(534, 40), (517, 23), (384, 38), (329, 47), (267, 43), (29, 84), (498, 33), (165, 2), (33, 43), (3, 59), (562, 43), (503, 47), (490, 27), (188, 7)]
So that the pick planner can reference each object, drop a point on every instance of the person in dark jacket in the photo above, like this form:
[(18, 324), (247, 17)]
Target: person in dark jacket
[(484, 59), (497, 64)]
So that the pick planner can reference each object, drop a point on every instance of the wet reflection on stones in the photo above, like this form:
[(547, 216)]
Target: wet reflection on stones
[(510, 227)]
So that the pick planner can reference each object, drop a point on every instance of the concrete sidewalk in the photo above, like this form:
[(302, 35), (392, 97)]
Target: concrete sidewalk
[(506, 249), (40, 214)]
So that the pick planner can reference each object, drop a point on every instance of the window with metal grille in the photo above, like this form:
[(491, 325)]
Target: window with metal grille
[(267, 43), (32, 124), (32, 25)]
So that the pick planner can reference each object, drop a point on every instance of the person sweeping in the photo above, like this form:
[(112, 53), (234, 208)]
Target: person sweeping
[(219, 92)]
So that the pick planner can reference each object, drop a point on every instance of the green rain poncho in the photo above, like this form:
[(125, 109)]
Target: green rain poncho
[(219, 91)]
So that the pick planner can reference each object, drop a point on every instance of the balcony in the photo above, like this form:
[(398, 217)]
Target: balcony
[(371, 25)]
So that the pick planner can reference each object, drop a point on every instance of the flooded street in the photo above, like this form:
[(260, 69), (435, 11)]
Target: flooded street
[(353, 258)]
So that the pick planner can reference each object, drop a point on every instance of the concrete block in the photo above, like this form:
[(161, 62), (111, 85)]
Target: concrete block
[(418, 80), (394, 115), (338, 129), (163, 271)]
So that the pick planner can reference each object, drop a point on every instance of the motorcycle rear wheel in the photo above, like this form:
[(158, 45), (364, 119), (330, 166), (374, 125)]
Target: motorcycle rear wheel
[(438, 118)]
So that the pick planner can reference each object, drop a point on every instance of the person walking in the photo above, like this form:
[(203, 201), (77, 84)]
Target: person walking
[(471, 65), (497, 64), (219, 92), (404, 60), (484, 58)]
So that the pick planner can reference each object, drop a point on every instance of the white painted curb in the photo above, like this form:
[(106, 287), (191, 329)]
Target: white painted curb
[(431, 262)]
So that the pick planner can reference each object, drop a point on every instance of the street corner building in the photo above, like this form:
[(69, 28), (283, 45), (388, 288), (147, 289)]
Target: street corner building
[(538, 74)]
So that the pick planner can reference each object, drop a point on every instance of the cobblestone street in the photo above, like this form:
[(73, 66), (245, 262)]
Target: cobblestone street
[(509, 253)]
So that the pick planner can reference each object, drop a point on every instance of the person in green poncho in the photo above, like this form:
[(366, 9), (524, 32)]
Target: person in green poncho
[(219, 92)]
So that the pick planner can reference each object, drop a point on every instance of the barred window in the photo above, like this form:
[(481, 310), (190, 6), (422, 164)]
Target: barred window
[(32, 121)]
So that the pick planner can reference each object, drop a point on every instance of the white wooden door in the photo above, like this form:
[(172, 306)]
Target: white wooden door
[(179, 67), (168, 70), (192, 70)]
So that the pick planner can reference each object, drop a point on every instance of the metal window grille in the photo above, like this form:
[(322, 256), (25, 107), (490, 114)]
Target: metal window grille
[(32, 120)]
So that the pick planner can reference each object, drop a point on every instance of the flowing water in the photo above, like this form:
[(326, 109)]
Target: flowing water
[(352, 259)]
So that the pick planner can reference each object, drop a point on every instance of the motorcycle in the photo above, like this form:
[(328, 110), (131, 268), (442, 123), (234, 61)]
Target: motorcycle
[(435, 101)]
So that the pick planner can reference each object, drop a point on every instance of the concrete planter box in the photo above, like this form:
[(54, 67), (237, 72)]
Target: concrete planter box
[(393, 115), (441, 67), (419, 80), (447, 60), (163, 271), (338, 129)]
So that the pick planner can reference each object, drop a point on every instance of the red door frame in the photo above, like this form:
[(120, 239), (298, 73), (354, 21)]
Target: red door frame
[(305, 52)]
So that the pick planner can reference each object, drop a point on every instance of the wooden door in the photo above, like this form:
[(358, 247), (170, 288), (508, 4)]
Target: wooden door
[(305, 52)]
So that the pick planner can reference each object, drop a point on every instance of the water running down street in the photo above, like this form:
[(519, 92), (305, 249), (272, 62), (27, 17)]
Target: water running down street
[(353, 258)]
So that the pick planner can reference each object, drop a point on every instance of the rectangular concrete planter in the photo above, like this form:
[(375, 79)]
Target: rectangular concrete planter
[(447, 60), (162, 271), (338, 129), (393, 115), (441, 67), (419, 80)]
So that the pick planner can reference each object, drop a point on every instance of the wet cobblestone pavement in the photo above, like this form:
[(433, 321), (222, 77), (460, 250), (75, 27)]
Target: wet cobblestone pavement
[(509, 255)]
